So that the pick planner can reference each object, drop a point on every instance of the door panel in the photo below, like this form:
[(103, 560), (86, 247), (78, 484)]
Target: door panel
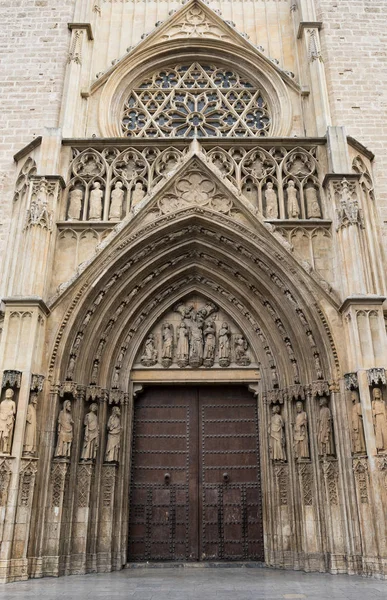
[(195, 485)]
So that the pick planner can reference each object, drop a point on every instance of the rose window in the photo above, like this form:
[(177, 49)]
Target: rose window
[(196, 101)]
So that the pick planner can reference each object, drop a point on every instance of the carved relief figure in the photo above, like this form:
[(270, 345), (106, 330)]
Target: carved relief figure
[(313, 210), (209, 343), (116, 202), (241, 347), (65, 431), (277, 435), (324, 437), (114, 436), (167, 351), (29, 446), (7, 421), (357, 424), (138, 194), (224, 345), (182, 344), (293, 207), (150, 356), (95, 202), (301, 442), (380, 419), (271, 202), (75, 205), (91, 437), (196, 342)]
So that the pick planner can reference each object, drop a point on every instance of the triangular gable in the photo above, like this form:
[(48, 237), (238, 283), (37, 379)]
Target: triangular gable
[(194, 21)]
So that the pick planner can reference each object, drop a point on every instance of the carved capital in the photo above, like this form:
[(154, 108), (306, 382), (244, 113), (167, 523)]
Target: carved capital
[(11, 379), (116, 397), (319, 388), (275, 397), (376, 376), (351, 381), (71, 387), (295, 392), (37, 382)]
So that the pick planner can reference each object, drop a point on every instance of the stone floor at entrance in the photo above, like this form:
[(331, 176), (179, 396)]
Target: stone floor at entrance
[(199, 583)]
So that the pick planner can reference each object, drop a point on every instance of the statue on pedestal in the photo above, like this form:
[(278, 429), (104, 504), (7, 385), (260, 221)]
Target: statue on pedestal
[(277, 435), (271, 202), (65, 431), (301, 443), (380, 419), (324, 437), (114, 436), (30, 445), (167, 349), (7, 421), (357, 424), (95, 202), (75, 205), (293, 207), (91, 437), (116, 202)]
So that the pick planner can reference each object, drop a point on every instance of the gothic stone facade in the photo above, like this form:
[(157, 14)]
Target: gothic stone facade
[(189, 209)]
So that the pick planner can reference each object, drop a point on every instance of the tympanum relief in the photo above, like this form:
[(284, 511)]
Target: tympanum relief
[(195, 334)]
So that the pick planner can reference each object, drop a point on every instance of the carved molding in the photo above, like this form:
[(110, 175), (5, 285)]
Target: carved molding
[(37, 382), (376, 376), (11, 379), (351, 381)]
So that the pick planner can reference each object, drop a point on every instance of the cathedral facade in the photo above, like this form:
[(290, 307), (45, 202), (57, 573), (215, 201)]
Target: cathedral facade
[(192, 334)]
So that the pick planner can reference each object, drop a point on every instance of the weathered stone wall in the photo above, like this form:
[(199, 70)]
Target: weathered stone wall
[(34, 42), (354, 46)]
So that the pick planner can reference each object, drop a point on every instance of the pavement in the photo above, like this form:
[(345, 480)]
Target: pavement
[(198, 584)]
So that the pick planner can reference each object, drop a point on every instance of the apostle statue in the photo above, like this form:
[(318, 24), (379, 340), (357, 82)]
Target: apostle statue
[(182, 351), (95, 202), (277, 435), (300, 436), (65, 431), (324, 436), (357, 424), (313, 210), (116, 202), (167, 349), (150, 355), (75, 204), (380, 419), (209, 343), (7, 421), (91, 437), (114, 436), (271, 202), (293, 207), (30, 444), (224, 345)]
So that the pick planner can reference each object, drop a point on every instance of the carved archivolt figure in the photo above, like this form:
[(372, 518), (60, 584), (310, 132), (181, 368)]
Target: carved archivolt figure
[(114, 436), (313, 210), (293, 207), (30, 445), (241, 347), (224, 345), (91, 438), (149, 358), (324, 438), (301, 441), (271, 202), (75, 204), (357, 424), (116, 202), (380, 419), (182, 351), (95, 202), (138, 194), (277, 435), (65, 431), (7, 421), (209, 343), (70, 368)]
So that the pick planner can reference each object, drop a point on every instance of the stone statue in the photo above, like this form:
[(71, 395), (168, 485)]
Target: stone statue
[(75, 204), (70, 369), (224, 345), (150, 356), (196, 343), (30, 445), (209, 343), (293, 207), (65, 431), (380, 419), (357, 424), (91, 437), (277, 435), (116, 202), (271, 202), (95, 202), (312, 205), (241, 347), (94, 372), (114, 436), (300, 437), (167, 350), (182, 351), (7, 421), (324, 437), (138, 194)]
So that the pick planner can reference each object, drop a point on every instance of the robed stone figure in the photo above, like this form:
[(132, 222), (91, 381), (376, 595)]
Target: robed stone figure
[(277, 435), (380, 419), (91, 437), (7, 421), (30, 445), (114, 436), (65, 431), (324, 437), (301, 442), (357, 424)]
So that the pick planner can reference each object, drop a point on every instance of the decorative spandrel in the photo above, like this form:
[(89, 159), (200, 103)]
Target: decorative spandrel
[(194, 101), (195, 334)]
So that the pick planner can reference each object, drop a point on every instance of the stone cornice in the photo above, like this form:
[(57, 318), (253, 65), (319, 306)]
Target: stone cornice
[(360, 148), (58, 178), (363, 300), (28, 148), (308, 25), (86, 26), (26, 302), (339, 176)]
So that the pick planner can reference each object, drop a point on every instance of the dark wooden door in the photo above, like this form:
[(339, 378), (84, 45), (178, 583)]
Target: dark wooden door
[(195, 483)]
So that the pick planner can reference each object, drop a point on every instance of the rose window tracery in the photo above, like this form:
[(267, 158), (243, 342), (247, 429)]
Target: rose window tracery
[(195, 101)]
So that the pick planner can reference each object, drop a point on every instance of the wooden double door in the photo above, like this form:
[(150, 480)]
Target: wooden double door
[(195, 478)]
